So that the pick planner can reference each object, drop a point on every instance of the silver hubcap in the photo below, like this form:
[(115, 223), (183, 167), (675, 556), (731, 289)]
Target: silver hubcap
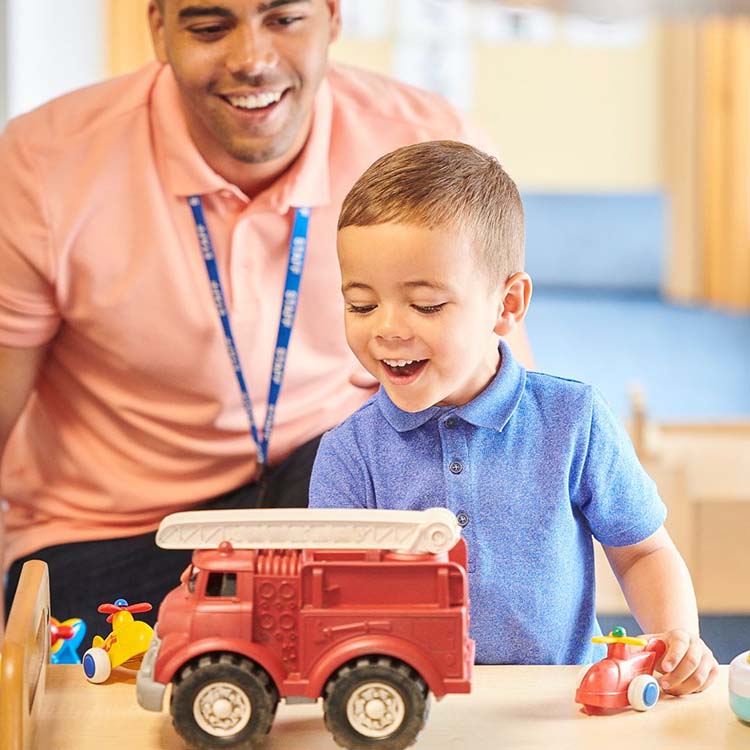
[(375, 709), (221, 709)]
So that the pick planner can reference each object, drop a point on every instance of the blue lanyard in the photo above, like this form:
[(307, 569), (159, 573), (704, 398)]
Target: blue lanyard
[(297, 250)]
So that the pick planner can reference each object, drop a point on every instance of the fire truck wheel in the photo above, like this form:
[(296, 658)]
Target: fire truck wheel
[(376, 702), (223, 701)]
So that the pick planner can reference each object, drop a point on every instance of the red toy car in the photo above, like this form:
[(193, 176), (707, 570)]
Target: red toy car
[(366, 609), (624, 678)]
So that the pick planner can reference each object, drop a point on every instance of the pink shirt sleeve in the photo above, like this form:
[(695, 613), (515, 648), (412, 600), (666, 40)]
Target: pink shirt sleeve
[(28, 313)]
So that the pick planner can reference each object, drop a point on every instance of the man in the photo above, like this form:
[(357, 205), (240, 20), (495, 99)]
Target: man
[(152, 227)]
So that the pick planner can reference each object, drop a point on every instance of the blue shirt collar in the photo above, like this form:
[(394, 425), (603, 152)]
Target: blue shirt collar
[(492, 408)]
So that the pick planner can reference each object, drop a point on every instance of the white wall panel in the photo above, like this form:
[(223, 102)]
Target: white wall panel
[(53, 47)]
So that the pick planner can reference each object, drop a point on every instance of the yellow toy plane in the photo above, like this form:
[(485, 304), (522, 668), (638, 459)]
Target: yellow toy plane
[(124, 646)]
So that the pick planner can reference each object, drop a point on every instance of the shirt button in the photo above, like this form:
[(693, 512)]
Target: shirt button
[(451, 423), (456, 467), (463, 519)]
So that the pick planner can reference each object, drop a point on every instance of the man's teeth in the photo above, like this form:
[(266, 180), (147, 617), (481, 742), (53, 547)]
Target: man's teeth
[(399, 362), (255, 101)]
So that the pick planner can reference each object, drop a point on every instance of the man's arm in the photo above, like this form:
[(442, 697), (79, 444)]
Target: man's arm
[(18, 372)]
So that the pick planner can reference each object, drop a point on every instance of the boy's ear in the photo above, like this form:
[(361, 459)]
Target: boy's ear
[(514, 304)]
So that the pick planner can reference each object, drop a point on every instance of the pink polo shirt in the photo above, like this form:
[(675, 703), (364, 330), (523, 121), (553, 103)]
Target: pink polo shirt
[(137, 412)]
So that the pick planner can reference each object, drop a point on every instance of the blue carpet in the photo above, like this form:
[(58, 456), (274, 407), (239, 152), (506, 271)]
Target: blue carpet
[(693, 363), (596, 240)]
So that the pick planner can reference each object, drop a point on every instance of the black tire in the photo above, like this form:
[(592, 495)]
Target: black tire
[(392, 688), (240, 686)]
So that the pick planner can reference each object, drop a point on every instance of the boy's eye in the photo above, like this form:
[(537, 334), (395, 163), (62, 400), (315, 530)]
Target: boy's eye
[(429, 309), (361, 309)]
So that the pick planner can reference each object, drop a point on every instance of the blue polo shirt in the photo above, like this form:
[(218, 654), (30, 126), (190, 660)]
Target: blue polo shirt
[(533, 467)]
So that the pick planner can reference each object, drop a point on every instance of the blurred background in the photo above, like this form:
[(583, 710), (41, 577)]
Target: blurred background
[(627, 128)]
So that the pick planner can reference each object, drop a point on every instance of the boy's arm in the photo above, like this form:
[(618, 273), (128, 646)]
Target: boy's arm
[(659, 592)]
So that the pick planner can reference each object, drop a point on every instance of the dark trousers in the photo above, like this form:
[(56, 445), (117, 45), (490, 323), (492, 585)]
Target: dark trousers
[(84, 575)]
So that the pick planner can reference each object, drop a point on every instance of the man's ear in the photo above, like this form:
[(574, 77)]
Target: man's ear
[(334, 7), (156, 24), (515, 303)]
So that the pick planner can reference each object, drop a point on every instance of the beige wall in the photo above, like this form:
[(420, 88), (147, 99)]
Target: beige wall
[(565, 118)]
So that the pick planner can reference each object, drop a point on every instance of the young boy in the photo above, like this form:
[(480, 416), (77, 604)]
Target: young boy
[(431, 249)]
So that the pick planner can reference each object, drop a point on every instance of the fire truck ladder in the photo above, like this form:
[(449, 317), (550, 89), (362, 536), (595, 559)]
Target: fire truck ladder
[(407, 531)]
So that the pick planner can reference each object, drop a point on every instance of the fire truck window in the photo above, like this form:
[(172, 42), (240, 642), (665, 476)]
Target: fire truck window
[(221, 584), (192, 579)]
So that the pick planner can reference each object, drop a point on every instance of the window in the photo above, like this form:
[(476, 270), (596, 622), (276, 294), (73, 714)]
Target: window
[(221, 584), (192, 579)]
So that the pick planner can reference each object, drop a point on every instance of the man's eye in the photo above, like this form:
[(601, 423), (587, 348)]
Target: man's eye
[(287, 20), (208, 31), (429, 309), (360, 309)]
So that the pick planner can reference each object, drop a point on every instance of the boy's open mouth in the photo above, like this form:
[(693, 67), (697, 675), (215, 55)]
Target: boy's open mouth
[(404, 368)]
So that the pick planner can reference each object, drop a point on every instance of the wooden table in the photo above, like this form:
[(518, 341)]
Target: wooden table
[(510, 707)]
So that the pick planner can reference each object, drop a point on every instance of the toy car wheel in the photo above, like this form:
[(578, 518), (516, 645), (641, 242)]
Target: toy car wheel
[(96, 665), (223, 701), (643, 692), (376, 702)]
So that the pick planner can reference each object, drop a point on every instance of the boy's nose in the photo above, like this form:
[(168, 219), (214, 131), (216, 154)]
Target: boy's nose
[(391, 325), (252, 53)]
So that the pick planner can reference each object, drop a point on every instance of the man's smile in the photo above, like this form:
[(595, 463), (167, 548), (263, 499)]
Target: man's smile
[(258, 100), (255, 106)]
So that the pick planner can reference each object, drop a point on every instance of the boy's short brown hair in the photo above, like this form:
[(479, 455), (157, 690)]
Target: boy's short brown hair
[(445, 183)]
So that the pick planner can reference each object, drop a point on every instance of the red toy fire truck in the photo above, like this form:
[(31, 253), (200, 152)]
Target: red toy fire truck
[(625, 677), (367, 609)]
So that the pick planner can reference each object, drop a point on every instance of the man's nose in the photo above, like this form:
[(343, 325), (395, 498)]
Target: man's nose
[(252, 53)]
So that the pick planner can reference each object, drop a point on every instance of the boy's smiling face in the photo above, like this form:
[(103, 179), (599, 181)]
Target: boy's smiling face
[(421, 314)]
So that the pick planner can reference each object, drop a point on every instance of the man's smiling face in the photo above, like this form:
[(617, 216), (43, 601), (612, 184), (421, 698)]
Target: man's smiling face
[(247, 70)]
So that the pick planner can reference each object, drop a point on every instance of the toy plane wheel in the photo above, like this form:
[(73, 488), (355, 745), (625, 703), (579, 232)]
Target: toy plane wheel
[(96, 665), (643, 692)]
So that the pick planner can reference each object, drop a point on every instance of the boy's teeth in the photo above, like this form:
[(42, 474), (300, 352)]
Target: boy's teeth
[(255, 101), (399, 362)]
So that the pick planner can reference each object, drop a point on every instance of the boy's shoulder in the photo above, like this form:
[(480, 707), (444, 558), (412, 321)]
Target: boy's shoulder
[(571, 405), (364, 420), (544, 386)]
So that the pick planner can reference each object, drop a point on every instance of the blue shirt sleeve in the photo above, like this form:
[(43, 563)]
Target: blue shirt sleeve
[(616, 495), (339, 477)]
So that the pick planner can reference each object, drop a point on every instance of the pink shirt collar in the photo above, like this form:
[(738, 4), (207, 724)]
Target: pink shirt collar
[(305, 183)]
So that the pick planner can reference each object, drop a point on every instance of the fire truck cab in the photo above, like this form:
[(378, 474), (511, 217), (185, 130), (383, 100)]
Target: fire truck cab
[(366, 609)]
